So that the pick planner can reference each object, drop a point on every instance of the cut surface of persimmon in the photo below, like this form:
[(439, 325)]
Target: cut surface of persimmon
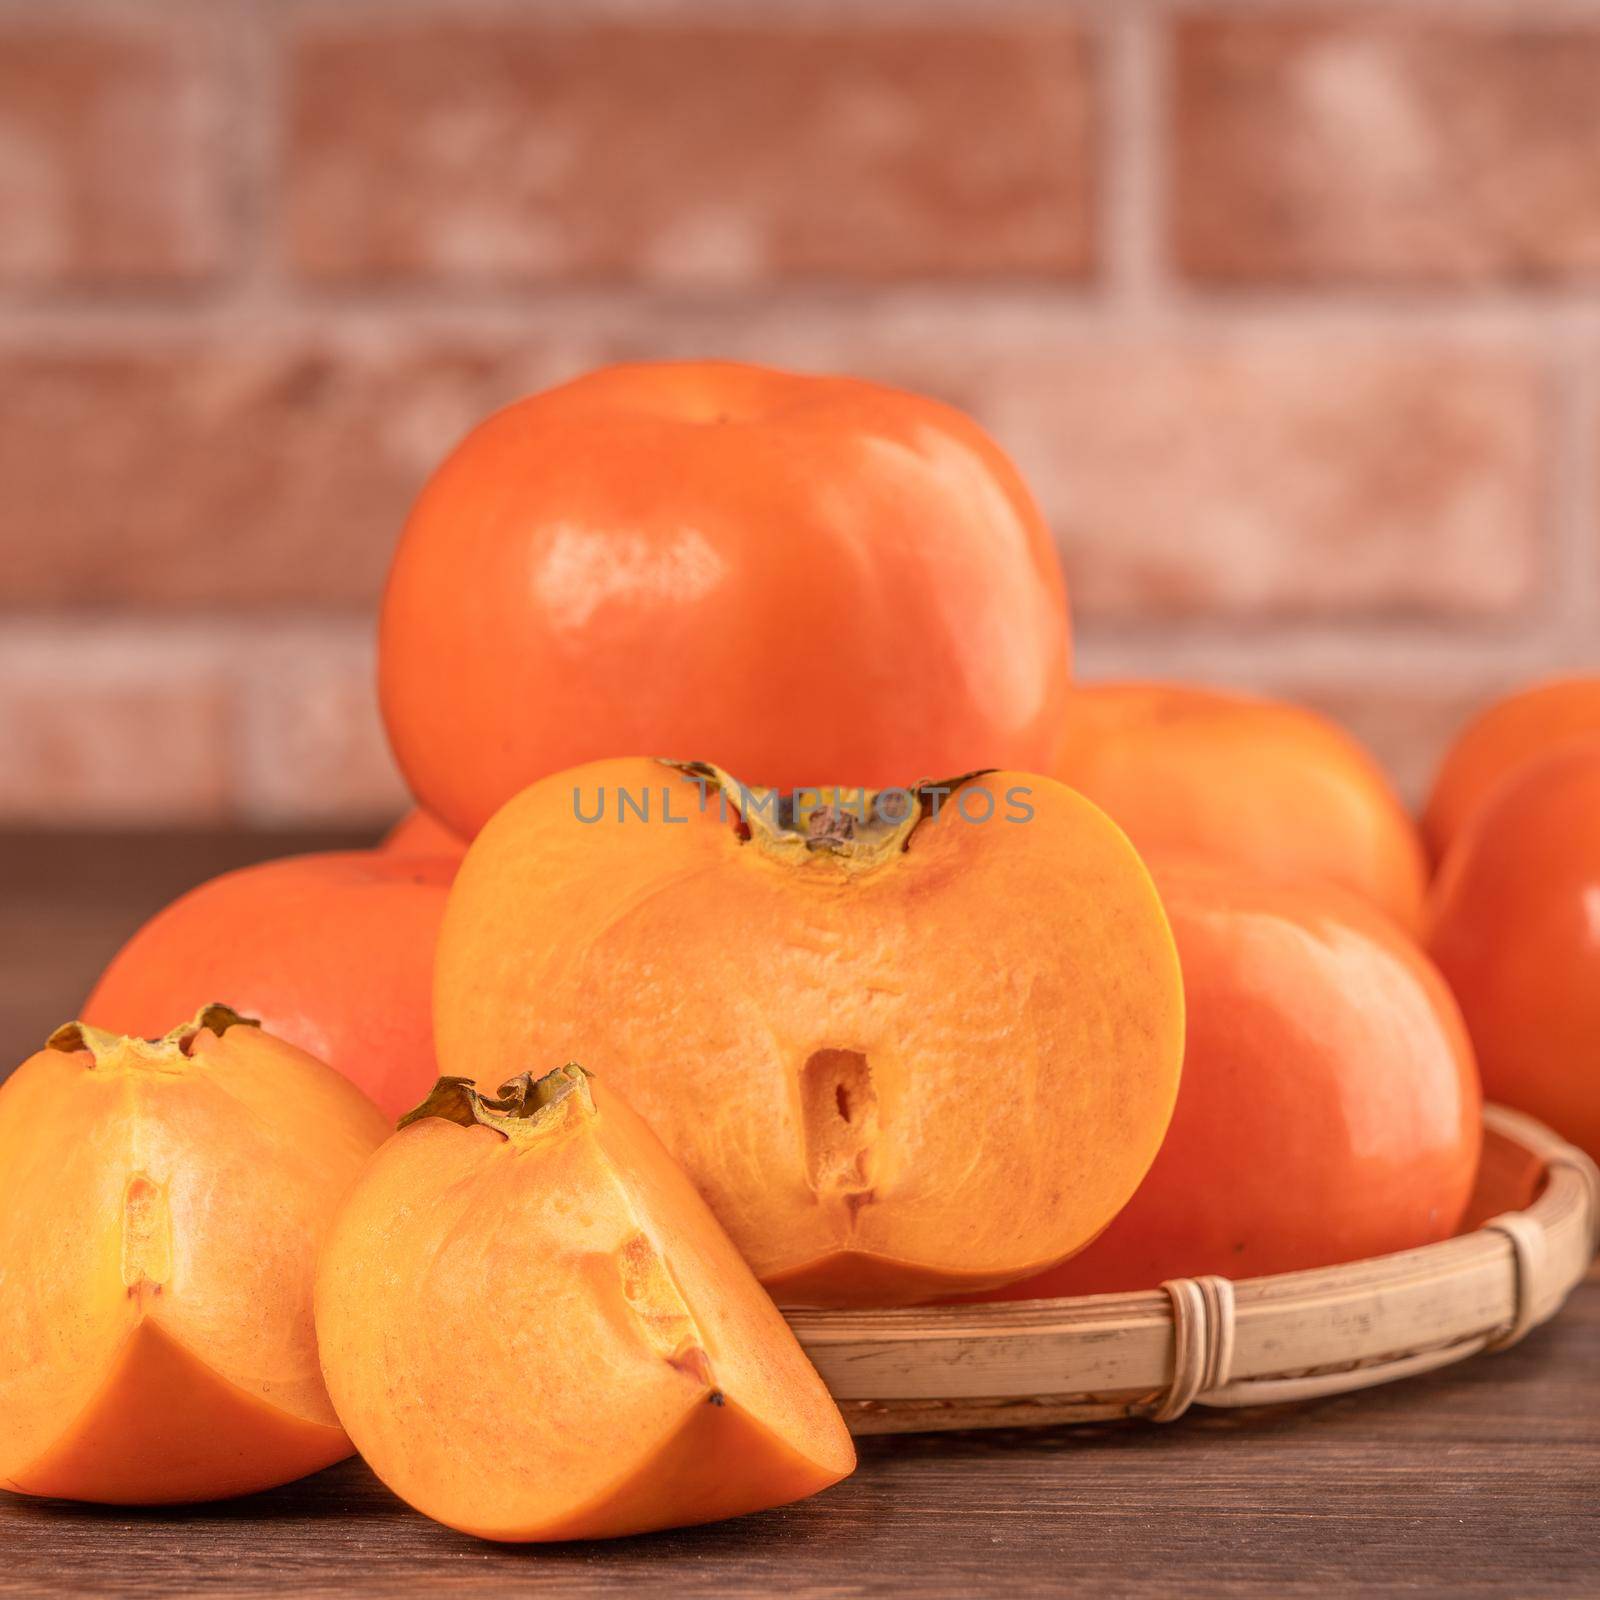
[(161, 1203), (1329, 1109), (1515, 927), (534, 1329), (805, 579), (333, 952), (936, 1032), (1499, 740), (1274, 787)]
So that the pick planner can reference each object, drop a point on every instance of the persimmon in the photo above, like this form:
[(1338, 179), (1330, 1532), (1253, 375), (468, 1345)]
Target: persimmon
[(1273, 787), (1515, 927), (1508, 734), (808, 580), (1329, 1108), (333, 952), (161, 1204), (933, 1035), (534, 1329), (418, 834)]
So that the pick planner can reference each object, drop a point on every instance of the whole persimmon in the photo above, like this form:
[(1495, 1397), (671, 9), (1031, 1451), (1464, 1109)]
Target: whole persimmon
[(1272, 787), (905, 1043), (1501, 739), (808, 580), (1329, 1108), (332, 952), (534, 1329), (161, 1204), (418, 834), (1515, 927)]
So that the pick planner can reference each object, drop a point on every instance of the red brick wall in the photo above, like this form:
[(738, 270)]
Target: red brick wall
[(1289, 312)]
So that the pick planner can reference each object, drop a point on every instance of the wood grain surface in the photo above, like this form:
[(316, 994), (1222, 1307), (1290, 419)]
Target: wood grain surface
[(1483, 1479)]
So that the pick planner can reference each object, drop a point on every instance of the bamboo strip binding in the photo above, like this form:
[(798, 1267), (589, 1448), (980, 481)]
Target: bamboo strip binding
[(1213, 1342)]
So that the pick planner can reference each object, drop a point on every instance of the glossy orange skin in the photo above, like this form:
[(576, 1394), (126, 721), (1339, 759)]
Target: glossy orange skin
[(1273, 787), (805, 580), (418, 834), (1500, 740), (1329, 1108), (1516, 930), (332, 952)]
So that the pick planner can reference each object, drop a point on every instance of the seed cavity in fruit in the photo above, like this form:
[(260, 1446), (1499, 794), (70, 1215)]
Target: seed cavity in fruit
[(146, 1237), (653, 1297), (839, 1117)]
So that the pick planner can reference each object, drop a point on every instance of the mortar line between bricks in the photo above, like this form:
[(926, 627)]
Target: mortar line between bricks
[(1330, 638), (260, 285), (176, 312), (414, 317), (1130, 202), (670, 15), (1575, 440)]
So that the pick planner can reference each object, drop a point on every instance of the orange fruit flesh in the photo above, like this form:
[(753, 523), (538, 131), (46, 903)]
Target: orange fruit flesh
[(546, 1335), (165, 1428), (942, 1072), (1329, 1110), (164, 1218)]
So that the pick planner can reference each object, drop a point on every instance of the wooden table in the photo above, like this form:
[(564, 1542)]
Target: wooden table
[(1481, 1479)]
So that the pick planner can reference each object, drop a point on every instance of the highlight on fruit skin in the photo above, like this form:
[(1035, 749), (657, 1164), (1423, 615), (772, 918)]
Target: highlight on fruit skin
[(1515, 927), (534, 1329), (1500, 740), (1272, 787), (933, 1037), (161, 1203), (1329, 1109), (805, 579), (333, 952)]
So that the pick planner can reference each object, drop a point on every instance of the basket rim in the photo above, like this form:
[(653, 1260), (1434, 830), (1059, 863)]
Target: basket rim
[(1235, 1342)]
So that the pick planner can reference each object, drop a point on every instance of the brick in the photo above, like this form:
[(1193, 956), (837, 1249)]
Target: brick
[(1262, 474), (1278, 475), (526, 150), (142, 721), (112, 725), (313, 747), (1412, 147), (228, 474), (111, 149)]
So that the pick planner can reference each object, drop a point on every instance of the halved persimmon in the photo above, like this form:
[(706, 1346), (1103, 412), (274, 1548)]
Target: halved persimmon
[(933, 1034), (333, 952), (534, 1329), (1329, 1108), (161, 1204), (1274, 787)]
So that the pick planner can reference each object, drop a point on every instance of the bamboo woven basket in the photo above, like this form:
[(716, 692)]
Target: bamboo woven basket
[(1534, 1227)]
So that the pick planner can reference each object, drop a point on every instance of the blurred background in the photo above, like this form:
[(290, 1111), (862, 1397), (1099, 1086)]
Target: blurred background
[(1287, 311)]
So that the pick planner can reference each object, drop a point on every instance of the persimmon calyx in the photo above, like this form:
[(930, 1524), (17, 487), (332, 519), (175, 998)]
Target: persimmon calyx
[(521, 1106), (857, 828), (169, 1053)]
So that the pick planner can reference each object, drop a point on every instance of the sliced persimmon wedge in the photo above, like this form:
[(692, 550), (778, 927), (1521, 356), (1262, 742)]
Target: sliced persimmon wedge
[(534, 1329), (161, 1204)]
